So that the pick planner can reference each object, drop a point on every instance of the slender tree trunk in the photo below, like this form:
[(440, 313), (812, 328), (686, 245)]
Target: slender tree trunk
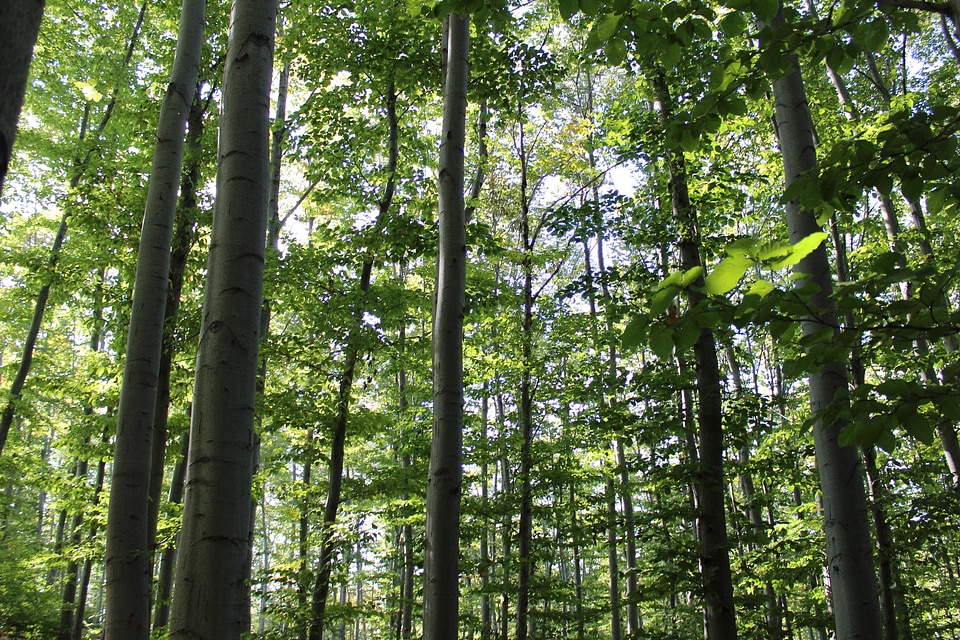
[(506, 537), (321, 587), (127, 562), (183, 239), (441, 594), (72, 580), (486, 625), (525, 533), (719, 616), (849, 548), (83, 583), (210, 592), (168, 557), (19, 26), (613, 561)]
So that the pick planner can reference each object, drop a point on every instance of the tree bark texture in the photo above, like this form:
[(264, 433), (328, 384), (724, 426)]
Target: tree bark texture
[(441, 563), (210, 591), (127, 562), (846, 523), (19, 26), (184, 236)]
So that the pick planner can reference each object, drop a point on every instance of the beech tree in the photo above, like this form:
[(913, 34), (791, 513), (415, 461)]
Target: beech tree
[(442, 542), (127, 554), (209, 598), (585, 492)]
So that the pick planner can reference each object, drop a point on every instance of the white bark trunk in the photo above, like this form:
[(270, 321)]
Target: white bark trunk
[(127, 562), (441, 567), (209, 599), (846, 524)]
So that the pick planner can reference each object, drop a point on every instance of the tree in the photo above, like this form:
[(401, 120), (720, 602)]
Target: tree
[(846, 525), (441, 564), (128, 547), (209, 593), (19, 25)]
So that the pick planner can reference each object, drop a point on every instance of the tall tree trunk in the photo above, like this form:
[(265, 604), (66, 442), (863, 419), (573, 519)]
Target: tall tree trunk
[(83, 582), (184, 236), (210, 592), (613, 561), (127, 561), (321, 588), (19, 26), (441, 594), (849, 548), (719, 616), (525, 531)]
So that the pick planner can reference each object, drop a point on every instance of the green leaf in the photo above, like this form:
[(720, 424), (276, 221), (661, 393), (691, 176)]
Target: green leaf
[(875, 34), (687, 336), (616, 51), (726, 275), (608, 27), (733, 24), (568, 8), (690, 276), (801, 250), (670, 56), (661, 341), (760, 288), (635, 333), (590, 7), (662, 300)]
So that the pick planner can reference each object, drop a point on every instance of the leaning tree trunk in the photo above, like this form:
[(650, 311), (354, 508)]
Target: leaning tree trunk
[(718, 611), (441, 548), (210, 592), (184, 236), (127, 561), (846, 524), (19, 26)]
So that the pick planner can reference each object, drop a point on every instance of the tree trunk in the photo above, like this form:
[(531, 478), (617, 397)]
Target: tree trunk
[(127, 561), (616, 631), (19, 26), (168, 558), (719, 616), (184, 236), (321, 587), (441, 547), (849, 548), (210, 592)]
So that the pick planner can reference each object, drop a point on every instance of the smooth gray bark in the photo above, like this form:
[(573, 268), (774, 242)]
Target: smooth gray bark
[(209, 598), (19, 26), (441, 593), (846, 521), (127, 561)]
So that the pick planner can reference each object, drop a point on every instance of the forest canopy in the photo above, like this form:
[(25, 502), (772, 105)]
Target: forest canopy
[(480, 319)]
